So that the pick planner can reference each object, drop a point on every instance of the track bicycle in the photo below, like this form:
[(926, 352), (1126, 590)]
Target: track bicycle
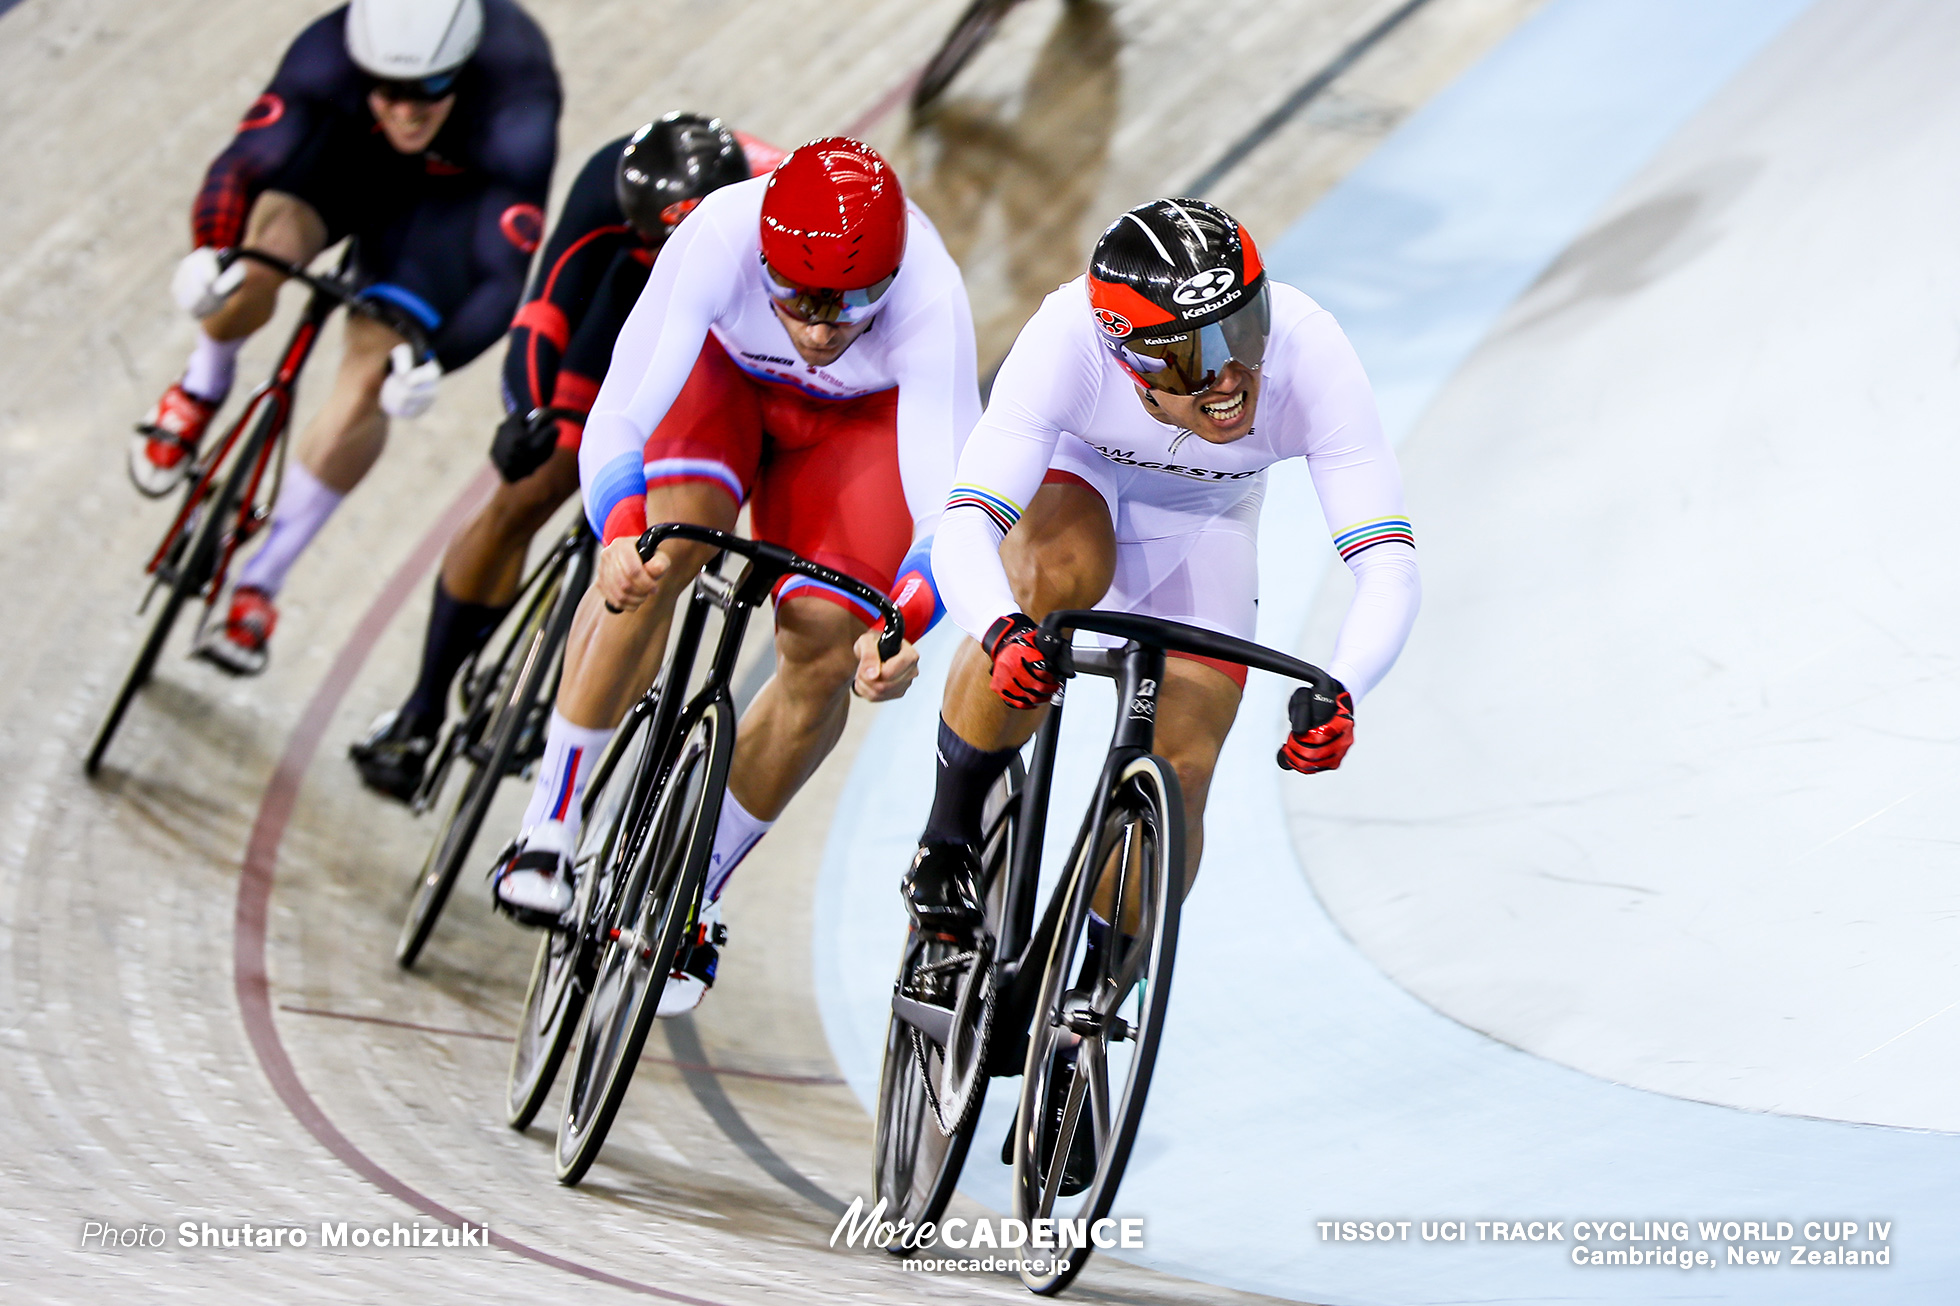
[(230, 491), (642, 859), (506, 692), (1075, 1004)]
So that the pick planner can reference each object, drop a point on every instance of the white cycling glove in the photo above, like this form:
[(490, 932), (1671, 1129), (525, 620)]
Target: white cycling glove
[(411, 386), (200, 286)]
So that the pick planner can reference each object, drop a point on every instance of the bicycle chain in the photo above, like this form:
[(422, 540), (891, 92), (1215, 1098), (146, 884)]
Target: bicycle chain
[(919, 1043)]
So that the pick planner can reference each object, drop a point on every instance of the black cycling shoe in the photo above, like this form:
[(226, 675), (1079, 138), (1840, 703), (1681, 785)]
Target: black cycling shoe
[(394, 755), (941, 889)]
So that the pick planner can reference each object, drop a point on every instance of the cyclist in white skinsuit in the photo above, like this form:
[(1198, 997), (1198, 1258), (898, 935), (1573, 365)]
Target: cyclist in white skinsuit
[(1121, 464)]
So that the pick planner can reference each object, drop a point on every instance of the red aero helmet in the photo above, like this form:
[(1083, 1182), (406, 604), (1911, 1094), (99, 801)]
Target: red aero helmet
[(833, 217)]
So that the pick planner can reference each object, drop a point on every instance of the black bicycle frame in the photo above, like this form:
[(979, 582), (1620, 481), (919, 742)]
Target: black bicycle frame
[(277, 391), (327, 294), (1138, 670), (736, 597)]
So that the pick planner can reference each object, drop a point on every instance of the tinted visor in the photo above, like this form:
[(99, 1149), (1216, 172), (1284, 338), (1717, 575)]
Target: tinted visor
[(815, 305), (423, 90), (1191, 363)]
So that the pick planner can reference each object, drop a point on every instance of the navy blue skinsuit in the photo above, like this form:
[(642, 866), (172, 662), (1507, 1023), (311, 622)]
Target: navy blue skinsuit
[(591, 275), (446, 234)]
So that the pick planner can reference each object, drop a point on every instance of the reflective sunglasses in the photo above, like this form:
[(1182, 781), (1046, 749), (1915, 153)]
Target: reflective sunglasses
[(819, 307), (1191, 363), (420, 90)]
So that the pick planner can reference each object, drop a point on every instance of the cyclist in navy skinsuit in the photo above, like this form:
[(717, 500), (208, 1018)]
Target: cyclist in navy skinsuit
[(427, 129), (629, 195)]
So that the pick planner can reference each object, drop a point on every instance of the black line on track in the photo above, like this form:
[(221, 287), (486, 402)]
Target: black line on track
[(1309, 90), (691, 1058)]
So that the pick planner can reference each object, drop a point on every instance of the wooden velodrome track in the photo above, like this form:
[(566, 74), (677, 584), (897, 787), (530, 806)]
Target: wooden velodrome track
[(185, 1041)]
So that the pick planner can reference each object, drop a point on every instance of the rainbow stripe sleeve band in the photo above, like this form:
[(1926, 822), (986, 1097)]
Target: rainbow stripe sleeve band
[(1001, 511), (1366, 535)]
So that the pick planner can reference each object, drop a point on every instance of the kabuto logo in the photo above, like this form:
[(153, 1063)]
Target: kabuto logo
[(1114, 324), (1204, 287)]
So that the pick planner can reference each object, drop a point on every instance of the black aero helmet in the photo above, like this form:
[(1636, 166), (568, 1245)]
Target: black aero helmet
[(670, 165), (1178, 292)]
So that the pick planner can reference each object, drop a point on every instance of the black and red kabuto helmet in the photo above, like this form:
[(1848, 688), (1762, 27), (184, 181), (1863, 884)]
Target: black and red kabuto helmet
[(1178, 292)]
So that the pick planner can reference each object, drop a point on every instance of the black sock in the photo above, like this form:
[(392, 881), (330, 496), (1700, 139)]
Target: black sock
[(965, 775), (456, 630)]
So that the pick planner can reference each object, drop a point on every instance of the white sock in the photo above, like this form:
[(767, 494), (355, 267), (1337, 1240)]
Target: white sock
[(303, 508), (208, 375), (735, 833), (569, 754)]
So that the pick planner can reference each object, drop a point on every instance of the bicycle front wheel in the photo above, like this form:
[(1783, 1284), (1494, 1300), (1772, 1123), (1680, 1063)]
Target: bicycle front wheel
[(657, 901), (1100, 1016), (484, 742), (193, 567), (561, 975)]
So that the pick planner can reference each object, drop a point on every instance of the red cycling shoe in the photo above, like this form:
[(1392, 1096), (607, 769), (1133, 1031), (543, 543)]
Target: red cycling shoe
[(239, 646), (164, 448)]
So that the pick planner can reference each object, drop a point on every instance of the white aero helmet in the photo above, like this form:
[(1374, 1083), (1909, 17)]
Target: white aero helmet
[(413, 40)]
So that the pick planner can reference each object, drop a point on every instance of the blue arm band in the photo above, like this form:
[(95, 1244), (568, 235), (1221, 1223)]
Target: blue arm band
[(918, 563)]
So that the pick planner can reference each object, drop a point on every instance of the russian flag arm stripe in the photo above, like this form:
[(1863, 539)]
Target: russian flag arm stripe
[(620, 481)]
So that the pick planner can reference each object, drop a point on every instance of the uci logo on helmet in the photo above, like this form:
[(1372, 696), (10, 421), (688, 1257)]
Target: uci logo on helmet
[(1204, 287), (1114, 324)]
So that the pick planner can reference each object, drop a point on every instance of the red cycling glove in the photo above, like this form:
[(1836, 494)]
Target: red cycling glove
[(1023, 676), (1323, 730)]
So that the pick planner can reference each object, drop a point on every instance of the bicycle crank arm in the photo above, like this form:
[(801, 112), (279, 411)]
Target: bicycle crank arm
[(936, 1023)]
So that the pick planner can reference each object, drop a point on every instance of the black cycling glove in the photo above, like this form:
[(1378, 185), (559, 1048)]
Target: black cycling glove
[(524, 443)]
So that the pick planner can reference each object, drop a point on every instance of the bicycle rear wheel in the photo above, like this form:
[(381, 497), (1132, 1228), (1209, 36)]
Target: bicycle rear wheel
[(193, 567), (1100, 1016), (562, 974), (657, 901), (488, 741), (934, 1078)]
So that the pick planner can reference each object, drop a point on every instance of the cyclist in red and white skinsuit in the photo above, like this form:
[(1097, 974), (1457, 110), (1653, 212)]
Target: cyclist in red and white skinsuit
[(782, 354), (1121, 464)]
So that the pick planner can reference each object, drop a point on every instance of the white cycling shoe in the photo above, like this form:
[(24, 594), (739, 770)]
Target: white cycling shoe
[(695, 974), (532, 880)]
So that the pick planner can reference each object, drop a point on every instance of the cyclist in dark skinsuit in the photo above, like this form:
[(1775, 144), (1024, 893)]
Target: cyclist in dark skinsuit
[(428, 130), (626, 199)]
